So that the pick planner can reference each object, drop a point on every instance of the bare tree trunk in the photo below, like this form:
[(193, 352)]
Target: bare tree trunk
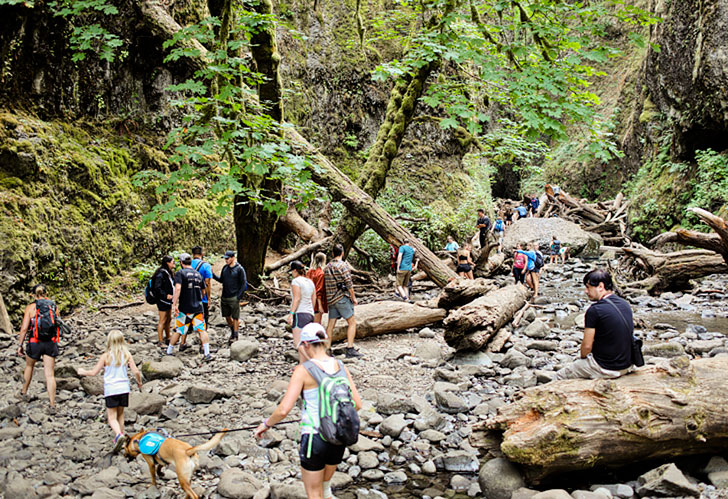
[(384, 317), (297, 254), (463, 291), (295, 223), (660, 412)]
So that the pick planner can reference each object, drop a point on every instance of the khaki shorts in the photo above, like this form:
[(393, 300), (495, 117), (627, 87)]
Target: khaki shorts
[(403, 278)]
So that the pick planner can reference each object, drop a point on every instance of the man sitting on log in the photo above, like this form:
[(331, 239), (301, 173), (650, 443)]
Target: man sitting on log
[(606, 350)]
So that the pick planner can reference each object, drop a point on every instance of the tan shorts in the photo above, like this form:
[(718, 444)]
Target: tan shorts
[(403, 278)]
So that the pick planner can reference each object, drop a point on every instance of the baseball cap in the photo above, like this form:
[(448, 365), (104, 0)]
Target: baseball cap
[(185, 258), (229, 254), (309, 333)]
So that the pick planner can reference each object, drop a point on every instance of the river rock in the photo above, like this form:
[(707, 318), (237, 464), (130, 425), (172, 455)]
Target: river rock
[(716, 463), (458, 461), (393, 425), (106, 493), (169, 367), (669, 349), (499, 478), (616, 490), (17, 487), (514, 359), (146, 403), (199, 394), (537, 329), (366, 444), (666, 481), (367, 460), (428, 350), (389, 404), (588, 494), (395, 477), (552, 494), (540, 230), (244, 350), (293, 490), (93, 385), (238, 484), (700, 347)]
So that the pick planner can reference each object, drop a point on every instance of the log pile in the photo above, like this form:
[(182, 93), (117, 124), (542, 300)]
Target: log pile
[(675, 409)]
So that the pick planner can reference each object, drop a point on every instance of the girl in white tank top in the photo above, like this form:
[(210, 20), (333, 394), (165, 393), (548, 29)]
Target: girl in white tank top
[(116, 382)]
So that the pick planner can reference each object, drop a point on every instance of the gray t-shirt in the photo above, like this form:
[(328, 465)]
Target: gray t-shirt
[(308, 292)]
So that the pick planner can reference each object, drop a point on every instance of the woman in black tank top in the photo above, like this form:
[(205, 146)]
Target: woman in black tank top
[(465, 263)]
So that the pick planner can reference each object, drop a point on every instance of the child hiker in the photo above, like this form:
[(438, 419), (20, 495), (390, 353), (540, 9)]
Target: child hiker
[(116, 382)]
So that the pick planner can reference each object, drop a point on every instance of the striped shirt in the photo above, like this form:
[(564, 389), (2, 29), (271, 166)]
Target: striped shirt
[(337, 271)]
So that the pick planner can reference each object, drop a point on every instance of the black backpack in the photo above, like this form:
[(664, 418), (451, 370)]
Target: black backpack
[(339, 421), (538, 263), (46, 326), (149, 291)]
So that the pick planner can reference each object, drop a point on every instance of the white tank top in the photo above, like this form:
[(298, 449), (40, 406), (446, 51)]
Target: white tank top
[(308, 291), (310, 420), (116, 379)]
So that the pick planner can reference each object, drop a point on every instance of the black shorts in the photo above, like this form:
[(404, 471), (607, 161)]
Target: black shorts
[(121, 400), (322, 452), (164, 307), (463, 267), (301, 319), (36, 350)]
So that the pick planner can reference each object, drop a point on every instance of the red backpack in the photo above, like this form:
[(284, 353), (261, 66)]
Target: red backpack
[(519, 261)]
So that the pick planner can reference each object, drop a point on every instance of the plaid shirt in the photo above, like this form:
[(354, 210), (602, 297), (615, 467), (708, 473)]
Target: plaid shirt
[(337, 271)]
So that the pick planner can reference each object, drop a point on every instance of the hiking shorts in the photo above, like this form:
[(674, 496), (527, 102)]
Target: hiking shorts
[(230, 307), (183, 321), (322, 452), (164, 306), (120, 400), (300, 319), (463, 267), (342, 309), (37, 350), (403, 278)]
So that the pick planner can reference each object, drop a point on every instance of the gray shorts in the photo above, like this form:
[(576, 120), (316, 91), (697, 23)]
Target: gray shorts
[(230, 307), (342, 309)]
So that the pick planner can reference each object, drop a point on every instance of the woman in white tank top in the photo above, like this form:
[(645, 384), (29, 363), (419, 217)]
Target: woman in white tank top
[(319, 464), (303, 294)]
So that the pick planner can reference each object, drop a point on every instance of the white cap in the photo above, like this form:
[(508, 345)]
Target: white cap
[(309, 333)]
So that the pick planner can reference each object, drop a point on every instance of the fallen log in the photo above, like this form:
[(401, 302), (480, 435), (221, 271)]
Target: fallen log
[(675, 409), (462, 291), (716, 242), (491, 266), (294, 222), (6, 326), (296, 255), (384, 317), (472, 326)]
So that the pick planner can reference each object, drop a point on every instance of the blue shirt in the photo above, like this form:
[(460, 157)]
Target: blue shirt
[(206, 273), (408, 253), (453, 246), (522, 212), (531, 258)]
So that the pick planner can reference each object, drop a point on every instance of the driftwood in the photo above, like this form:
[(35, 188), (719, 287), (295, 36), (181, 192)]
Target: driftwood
[(296, 255), (462, 291), (676, 409), (716, 241), (384, 317), (490, 267), (473, 325)]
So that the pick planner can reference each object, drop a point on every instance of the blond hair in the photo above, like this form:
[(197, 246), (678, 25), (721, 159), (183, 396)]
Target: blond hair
[(319, 261), (116, 349)]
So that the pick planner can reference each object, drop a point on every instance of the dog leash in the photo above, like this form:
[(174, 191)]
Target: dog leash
[(228, 431)]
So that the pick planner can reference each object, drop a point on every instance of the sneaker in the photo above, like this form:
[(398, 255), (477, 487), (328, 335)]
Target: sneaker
[(171, 354), (52, 410), (119, 441), (233, 338), (182, 348), (352, 353), (207, 358)]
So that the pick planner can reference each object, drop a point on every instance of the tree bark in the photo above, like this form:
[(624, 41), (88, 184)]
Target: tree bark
[(660, 412), (717, 241), (384, 317), (363, 206), (297, 254), (295, 223), (462, 291), (473, 325), (6, 326)]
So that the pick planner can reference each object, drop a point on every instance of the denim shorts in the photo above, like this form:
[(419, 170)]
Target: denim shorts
[(342, 309)]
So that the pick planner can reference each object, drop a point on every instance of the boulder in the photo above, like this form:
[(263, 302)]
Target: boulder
[(666, 481), (204, 394), (540, 230), (537, 329), (146, 403), (499, 479), (428, 350), (93, 385), (388, 404), (244, 350), (238, 484), (669, 349), (459, 461), (393, 425), (169, 367)]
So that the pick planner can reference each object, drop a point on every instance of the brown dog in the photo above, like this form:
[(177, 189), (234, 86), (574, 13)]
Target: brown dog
[(171, 450)]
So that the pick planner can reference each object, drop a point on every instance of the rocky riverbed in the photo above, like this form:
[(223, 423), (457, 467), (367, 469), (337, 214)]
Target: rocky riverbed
[(420, 400)]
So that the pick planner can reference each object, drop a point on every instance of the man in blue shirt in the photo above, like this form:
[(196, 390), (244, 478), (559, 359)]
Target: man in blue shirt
[(522, 212), (405, 257)]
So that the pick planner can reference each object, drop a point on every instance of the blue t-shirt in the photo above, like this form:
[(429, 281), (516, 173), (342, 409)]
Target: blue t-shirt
[(531, 255), (206, 273), (408, 253), (453, 246), (522, 212)]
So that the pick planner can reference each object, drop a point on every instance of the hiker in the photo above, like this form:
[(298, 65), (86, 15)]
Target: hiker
[(535, 203), (205, 270), (532, 267), (303, 294), (606, 350), (187, 306), (319, 457), (316, 274), (451, 245), (555, 250), (509, 216), (499, 231), (564, 252), (341, 298), (163, 286), (114, 361), (405, 258), (393, 250), (465, 262), (234, 283), (483, 224), (520, 262), (42, 324), (522, 212)]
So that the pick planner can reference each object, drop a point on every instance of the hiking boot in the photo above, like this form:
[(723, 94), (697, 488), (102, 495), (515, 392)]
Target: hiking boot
[(352, 352), (182, 348), (233, 338), (119, 442)]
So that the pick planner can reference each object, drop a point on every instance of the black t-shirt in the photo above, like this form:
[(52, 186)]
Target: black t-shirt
[(190, 297), (484, 221), (613, 338)]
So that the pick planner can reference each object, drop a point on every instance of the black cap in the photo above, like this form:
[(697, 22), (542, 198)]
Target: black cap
[(229, 254)]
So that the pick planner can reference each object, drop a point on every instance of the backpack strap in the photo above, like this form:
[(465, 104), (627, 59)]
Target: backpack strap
[(199, 265)]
